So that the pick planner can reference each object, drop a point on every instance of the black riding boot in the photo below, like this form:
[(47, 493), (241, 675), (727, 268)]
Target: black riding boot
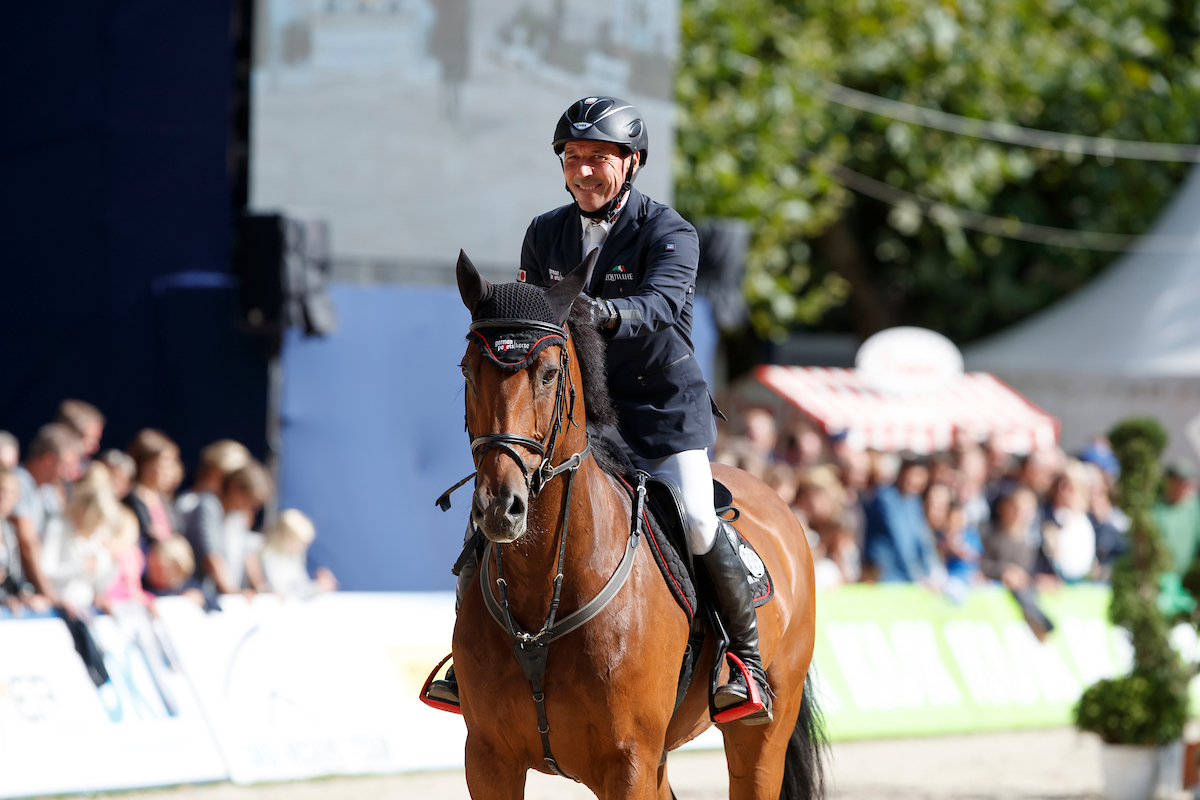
[(446, 689), (732, 589)]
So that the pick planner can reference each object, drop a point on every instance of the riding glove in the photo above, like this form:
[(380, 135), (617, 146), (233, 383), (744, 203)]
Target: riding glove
[(597, 311)]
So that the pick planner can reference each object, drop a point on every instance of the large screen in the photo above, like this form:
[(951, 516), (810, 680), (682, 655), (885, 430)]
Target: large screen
[(419, 127)]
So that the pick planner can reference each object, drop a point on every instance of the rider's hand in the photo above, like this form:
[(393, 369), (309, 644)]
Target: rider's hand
[(596, 311)]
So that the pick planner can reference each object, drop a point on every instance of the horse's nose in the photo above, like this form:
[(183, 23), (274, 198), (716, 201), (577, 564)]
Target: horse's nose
[(500, 516)]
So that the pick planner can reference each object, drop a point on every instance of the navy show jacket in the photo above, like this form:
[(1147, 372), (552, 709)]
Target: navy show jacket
[(647, 268)]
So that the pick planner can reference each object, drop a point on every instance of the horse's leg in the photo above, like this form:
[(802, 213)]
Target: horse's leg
[(634, 775), (493, 774), (664, 787), (755, 754)]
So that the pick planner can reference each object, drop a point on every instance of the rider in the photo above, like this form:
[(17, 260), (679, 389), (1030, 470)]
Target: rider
[(640, 295)]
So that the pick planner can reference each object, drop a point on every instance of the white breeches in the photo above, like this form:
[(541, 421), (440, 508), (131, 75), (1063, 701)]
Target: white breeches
[(692, 475)]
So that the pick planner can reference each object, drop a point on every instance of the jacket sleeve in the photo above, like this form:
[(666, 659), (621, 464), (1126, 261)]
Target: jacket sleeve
[(666, 286), (532, 271)]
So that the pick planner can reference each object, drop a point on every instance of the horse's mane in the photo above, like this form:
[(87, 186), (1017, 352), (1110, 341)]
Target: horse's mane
[(590, 347)]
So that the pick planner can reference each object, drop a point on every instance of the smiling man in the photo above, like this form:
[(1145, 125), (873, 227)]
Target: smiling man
[(640, 295)]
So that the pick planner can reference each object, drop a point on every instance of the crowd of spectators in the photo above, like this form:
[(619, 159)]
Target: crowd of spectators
[(951, 520), (84, 531)]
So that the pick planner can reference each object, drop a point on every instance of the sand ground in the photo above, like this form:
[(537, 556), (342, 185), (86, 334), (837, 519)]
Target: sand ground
[(1056, 764)]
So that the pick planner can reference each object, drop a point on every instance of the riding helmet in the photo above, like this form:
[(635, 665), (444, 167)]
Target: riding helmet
[(603, 119)]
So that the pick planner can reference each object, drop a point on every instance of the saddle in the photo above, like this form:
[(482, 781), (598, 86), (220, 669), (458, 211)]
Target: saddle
[(666, 527)]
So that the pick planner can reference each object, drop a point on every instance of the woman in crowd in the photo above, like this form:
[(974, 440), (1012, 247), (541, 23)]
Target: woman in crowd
[(820, 503), (1070, 539), (156, 459)]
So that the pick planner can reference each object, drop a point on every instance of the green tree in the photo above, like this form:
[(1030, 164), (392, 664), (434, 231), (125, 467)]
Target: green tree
[(757, 140)]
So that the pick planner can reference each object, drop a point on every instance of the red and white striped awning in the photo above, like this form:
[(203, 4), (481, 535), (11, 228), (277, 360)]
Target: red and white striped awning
[(973, 408)]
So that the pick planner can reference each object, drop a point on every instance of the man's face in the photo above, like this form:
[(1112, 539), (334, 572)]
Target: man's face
[(1179, 489), (10, 492), (595, 171)]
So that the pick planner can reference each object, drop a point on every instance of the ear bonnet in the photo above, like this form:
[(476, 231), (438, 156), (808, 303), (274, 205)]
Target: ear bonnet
[(514, 323)]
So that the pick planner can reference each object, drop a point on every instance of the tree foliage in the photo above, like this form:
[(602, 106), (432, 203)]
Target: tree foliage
[(756, 140)]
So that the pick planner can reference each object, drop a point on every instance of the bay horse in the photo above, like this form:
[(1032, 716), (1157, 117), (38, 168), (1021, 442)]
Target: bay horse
[(606, 715)]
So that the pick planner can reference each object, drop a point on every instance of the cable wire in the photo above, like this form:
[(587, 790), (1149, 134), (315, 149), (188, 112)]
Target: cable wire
[(1012, 228), (1010, 134)]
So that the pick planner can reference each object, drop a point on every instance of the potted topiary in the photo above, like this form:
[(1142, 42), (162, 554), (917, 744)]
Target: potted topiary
[(1138, 714)]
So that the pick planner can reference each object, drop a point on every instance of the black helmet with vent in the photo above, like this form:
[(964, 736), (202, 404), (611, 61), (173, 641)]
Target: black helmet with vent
[(605, 119)]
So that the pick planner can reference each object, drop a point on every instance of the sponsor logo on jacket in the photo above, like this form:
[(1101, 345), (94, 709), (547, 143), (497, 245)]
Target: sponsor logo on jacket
[(619, 273)]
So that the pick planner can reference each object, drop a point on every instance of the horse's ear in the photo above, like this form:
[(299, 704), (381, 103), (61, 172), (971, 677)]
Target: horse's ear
[(473, 287), (562, 294)]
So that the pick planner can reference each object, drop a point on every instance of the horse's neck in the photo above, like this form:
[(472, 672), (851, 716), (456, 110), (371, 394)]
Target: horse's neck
[(597, 527)]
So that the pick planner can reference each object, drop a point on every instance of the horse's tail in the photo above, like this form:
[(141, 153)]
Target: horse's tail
[(804, 765)]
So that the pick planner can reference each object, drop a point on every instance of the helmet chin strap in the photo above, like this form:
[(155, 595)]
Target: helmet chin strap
[(608, 212)]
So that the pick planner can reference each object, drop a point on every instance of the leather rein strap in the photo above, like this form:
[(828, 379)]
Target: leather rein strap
[(530, 649)]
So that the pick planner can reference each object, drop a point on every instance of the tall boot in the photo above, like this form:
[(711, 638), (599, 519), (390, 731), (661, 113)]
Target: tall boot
[(446, 689), (747, 696)]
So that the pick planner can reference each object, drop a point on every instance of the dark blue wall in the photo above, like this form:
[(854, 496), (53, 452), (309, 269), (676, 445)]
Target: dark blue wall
[(114, 168)]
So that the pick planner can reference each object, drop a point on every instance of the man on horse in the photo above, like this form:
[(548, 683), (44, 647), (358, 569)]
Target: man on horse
[(640, 295)]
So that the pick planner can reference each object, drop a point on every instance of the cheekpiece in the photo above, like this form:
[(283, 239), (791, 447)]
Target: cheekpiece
[(512, 325)]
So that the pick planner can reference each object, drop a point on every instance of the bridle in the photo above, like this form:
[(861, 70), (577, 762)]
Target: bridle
[(530, 649), (480, 445)]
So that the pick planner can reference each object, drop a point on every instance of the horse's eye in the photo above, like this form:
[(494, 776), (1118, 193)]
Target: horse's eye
[(463, 369), (549, 377)]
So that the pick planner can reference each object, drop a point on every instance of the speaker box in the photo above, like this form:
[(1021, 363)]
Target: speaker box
[(283, 264)]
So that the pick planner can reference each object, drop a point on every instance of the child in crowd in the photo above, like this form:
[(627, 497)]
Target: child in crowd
[(129, 561), (1009, 557), (284, 559), (960, 546), (75, 557), (169, 570)]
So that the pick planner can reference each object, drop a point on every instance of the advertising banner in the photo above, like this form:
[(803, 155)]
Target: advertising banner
[(329, 686), (902, 660), (59, 733)]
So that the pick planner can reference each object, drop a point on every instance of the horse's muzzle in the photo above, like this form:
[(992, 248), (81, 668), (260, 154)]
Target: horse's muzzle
[(501, 517)]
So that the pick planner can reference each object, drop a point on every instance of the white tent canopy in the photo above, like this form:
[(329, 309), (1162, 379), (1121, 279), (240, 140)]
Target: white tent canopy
[(1126, 344)]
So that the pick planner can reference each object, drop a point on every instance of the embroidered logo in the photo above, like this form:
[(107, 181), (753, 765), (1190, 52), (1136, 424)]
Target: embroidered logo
[(619, 268), (670, 246), (555, 275), (504, 345)]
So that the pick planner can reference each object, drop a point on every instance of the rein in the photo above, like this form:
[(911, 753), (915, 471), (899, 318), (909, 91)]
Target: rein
[(530, 649)]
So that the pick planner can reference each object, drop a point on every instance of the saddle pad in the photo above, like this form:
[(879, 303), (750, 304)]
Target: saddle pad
[(673, 562)]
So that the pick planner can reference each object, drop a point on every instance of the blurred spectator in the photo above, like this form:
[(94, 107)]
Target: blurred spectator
[(899, 543), (884, 468), (1036, 472), (170, 568), (782, 478), (10, 553), (75, 557), (284, 558), (10, 451), (121, 471), (1100, 454), (53, 457), (802, 446), (87, 422), (1109, 522), (1009, 557), (156, 459), (1178, 515), (854, 471), (960, 546), (972, 489), (219, 532), (217, 462), (1070, 539), (999, 463), (820, 499), (129, 561)]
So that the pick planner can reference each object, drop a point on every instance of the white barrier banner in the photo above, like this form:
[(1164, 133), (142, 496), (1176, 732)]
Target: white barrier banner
[(327, 686), (59, 733)]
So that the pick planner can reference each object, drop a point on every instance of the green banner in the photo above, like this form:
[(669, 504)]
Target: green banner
[(902, 660)]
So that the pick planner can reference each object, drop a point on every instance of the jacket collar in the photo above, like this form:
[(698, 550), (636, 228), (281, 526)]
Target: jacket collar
[(623, 232)]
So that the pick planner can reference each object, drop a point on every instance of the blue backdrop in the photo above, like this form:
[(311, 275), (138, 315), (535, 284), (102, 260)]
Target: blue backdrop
[(373, 434)]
